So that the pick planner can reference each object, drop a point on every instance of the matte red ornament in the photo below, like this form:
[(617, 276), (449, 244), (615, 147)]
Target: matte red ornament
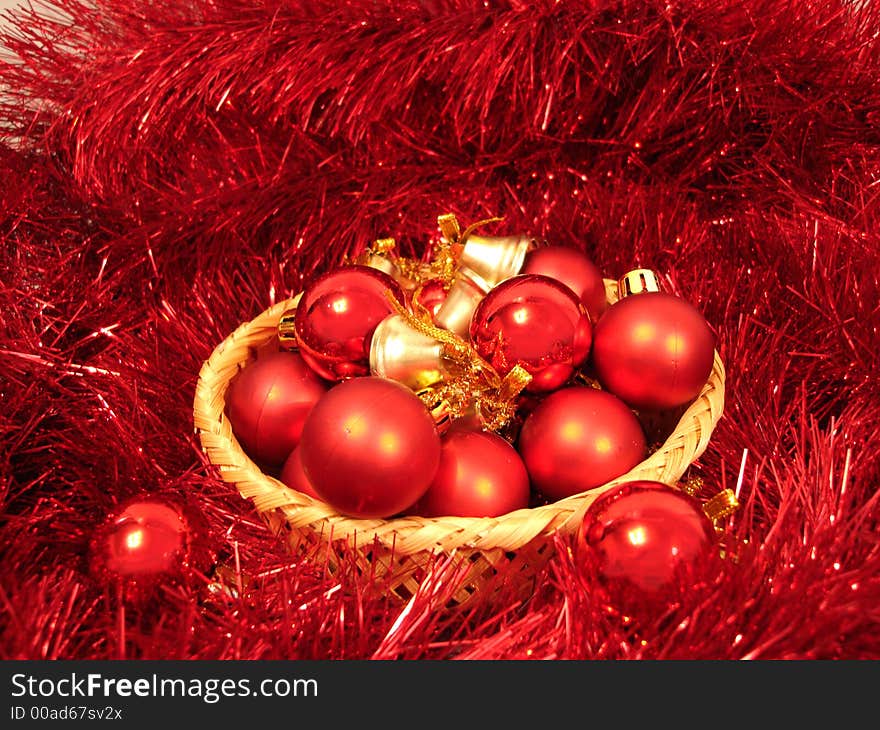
[(639, 534), (653, 350), (293, 476), (147, 541), (579, 438), (370, 447), (480, 475), (536, 322), (574, 269), (336, 317), (267, 404)]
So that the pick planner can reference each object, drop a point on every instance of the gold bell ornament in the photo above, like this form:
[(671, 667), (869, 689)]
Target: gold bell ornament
[(483, 262)]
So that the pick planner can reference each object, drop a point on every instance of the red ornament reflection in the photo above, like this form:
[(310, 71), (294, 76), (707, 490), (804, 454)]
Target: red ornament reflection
[(431, 296), (337, 315), (146, 539), (641, 533), (537, 323)]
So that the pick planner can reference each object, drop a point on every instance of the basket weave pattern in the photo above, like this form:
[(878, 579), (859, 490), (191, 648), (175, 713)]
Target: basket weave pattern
[(398, 550)]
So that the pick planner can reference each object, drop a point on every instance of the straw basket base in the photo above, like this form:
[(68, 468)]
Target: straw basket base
[(397, 554)]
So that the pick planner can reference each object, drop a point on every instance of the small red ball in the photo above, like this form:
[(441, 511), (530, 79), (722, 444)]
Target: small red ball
[(336, 317), (370, 447), (537, 323), (293, 476), (641, 533), (144, 542), (575, 270), (480, 475), (579, 438), (655, 351), (267, 404), (431, 296)]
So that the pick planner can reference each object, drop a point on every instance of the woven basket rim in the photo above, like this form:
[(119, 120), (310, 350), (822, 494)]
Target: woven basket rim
[(407, 534)]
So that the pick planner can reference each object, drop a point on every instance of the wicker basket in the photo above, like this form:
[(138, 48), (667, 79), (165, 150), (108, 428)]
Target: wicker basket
[(396, 552)]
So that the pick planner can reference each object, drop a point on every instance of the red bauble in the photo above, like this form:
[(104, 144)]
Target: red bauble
[(575, 270), (146, 543), (431, 296), (370, 447), (654, 351), (579, 438), (336, 317), (480, 475), (293, 476), (267, 404), (536, 322), (641, 533)]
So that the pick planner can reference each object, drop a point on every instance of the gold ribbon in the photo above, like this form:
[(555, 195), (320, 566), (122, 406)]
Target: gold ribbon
[(382, 246), (479, 383)]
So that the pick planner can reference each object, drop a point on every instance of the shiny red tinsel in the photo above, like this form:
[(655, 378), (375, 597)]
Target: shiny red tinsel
[(170, 169)]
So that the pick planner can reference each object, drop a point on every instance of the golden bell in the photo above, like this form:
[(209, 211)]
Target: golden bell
[(400, 353), (466, 292), (637, 281), (495, 258), (379, 261)]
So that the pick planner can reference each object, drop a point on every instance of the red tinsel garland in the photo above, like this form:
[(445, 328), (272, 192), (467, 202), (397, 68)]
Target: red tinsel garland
[(170, 169)]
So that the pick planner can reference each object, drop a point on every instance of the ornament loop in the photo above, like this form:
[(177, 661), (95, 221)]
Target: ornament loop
[(721, 506), (637, 281)]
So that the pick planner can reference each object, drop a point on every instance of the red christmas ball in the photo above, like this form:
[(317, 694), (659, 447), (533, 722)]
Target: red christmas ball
[(638, 535), (145, 544), (431, 296), (336, 317), (654, 351), (480, 475), (370, 447), (536, 322), (575, 270), (293, 476), (267, 404), (579, 438)]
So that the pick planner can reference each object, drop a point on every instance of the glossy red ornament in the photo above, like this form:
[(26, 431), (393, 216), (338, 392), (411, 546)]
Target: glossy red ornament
[(431, 296), (370, 447), (572, 268), (536, 322), (641, 533), (654, 350), (336, 317), (480, 475), (579, 438), (293, 476), (267, 404), (145, 543)]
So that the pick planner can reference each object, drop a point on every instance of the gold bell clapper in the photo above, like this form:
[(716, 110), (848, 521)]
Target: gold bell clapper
[(399, 352)]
